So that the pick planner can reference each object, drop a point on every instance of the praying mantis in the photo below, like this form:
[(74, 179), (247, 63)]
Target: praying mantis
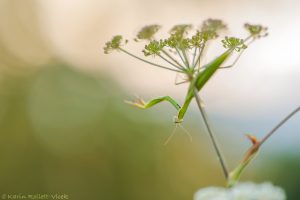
[(196, 74), (189, 51)]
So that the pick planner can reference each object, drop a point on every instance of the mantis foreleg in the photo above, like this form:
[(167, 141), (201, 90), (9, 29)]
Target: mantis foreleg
[(181, 82), (237, 58), (234, 62), (184, 80), (140, 103)]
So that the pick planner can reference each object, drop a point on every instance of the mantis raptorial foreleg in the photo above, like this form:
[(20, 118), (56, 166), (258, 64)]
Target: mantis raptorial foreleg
[(178, 82), (237, 58), (140, 103), (234, 62), (182, 82)]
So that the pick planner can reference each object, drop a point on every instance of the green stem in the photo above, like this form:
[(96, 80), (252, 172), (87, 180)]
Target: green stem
[(248, 38), (234, 176), (279, 125), (185, 58), (178, 52), (169, 62), (173, 59), (194, 56), (199, 56), (146, 61), (211, 134)]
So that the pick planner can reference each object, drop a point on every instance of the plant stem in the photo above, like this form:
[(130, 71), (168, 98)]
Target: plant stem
[(146, 61), (211, 134), (186, 58), (279, 125), (199, 56), (178, 52), (171, 57), (252, 151), (178, 67), (248, 38), (194, 56)]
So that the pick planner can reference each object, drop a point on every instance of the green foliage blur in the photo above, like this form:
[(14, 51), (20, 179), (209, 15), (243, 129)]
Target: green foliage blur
[(66, 132)]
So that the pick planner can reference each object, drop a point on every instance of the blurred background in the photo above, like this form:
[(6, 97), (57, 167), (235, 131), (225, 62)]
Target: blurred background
[(64, 127)]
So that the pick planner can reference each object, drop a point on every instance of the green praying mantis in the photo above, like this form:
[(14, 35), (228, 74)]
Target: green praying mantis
[(183, 53), (196, 74)]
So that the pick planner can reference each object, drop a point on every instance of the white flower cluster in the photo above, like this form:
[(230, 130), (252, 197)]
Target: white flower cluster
[(242, 191)]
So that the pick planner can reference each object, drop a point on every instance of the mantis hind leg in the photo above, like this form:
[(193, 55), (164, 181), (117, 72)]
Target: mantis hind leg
[(174, 131)]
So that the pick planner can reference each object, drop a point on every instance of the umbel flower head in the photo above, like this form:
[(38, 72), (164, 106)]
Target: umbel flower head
[(234, 43), (147, 32), (256, 30), (242, 191), (182, 49), (114, 44), (178, 39)]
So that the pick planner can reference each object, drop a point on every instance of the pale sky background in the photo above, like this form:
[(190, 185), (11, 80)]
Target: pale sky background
[(266, 79), (261, 89)]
